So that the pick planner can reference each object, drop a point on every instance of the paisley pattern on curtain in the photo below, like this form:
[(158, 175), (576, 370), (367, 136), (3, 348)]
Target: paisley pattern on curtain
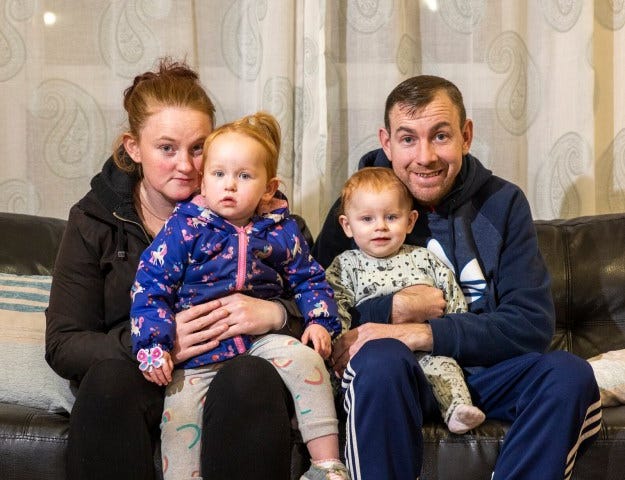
[(542, 81)]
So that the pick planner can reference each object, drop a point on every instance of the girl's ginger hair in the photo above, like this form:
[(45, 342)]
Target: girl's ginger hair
[(171, 84), (377, 179), (262, 127)]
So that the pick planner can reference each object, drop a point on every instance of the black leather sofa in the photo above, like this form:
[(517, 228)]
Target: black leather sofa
[(586, 257)]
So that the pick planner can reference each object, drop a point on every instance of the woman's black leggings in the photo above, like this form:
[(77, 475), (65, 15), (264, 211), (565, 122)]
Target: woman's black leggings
[(247, 428), (114, 425)]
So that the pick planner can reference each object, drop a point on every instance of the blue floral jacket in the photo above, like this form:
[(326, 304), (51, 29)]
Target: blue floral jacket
[(198, 256)]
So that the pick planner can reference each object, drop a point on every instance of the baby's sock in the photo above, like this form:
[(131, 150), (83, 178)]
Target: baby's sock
[(464, 418)]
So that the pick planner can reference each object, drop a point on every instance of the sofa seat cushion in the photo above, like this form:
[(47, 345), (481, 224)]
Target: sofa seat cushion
[(474, 454), (37, 441)]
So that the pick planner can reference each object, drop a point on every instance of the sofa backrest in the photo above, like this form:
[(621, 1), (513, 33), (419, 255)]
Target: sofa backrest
[(585, 256), (29, 243), (586, 259)]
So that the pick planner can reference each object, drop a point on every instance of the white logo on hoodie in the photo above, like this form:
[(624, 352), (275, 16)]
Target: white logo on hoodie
[(471, 278)]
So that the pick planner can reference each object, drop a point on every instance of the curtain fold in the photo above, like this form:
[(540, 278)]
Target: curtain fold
[(542, 81)]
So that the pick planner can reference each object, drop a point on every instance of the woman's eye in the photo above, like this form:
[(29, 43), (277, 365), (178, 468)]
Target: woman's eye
[(197, 150), (167, 148)]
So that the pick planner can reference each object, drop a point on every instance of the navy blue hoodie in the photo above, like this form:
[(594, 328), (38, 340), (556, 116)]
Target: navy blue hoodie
[(483, 230)]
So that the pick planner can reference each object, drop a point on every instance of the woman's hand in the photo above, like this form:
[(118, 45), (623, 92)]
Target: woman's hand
[(201, 327), (245, 315), (198, 330)]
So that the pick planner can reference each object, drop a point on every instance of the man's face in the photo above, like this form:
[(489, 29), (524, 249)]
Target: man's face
[(426, 147)]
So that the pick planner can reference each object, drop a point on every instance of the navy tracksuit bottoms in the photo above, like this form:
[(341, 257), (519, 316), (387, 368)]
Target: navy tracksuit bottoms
[(551, 400)]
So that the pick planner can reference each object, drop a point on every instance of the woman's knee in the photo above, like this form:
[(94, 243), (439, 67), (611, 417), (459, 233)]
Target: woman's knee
[(246, 381), (114, 384)]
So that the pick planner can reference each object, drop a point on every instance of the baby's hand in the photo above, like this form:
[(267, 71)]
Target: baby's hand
[(320, 339), (156, 365)]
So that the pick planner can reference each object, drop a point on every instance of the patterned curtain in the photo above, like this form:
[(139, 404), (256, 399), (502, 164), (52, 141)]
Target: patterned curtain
[(542, 79)]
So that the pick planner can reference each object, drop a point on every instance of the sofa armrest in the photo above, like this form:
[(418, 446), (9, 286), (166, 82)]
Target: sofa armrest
[(29, 243)]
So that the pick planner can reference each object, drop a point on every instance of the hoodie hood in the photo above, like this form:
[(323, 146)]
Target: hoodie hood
[(113, 190), (110, 201), (473, 175), (267, 215)]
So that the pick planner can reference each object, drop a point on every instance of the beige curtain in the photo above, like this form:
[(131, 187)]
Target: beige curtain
[(543, 81)]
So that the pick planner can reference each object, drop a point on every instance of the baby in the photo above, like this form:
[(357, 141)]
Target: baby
[(376, 211), (236, 236)]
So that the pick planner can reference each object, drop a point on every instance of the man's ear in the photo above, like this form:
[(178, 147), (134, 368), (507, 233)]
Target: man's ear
[(345, 224), (385, 141), (412, 219), (132, 147), (272, 188), (467, 136)]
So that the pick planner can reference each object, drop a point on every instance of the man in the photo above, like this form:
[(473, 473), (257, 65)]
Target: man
[(481, 227)]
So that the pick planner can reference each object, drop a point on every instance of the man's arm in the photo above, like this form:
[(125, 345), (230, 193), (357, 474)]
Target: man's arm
[(516, 314)]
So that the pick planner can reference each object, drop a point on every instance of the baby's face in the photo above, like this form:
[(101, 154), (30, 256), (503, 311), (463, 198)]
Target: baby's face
[(235, 179), (378, 221)]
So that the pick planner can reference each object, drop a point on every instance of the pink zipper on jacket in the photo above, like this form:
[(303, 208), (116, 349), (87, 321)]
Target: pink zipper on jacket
[(242, 258), (241, 275)]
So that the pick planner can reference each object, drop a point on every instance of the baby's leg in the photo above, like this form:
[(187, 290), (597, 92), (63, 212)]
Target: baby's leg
[(181, 424), (305, 375), (451, 392)]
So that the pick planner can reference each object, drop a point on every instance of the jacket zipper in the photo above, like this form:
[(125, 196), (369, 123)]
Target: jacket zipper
[(241, 273), (241, 258), (127, 220)]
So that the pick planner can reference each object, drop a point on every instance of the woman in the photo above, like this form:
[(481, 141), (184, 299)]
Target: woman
[(115, 420)]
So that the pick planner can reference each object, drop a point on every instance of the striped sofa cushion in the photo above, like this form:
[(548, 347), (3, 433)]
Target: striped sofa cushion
[(28, 380)]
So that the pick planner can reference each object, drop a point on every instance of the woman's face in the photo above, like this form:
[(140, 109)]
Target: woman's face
[(169, 149)]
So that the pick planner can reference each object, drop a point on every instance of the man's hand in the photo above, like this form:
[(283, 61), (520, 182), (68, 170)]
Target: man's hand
[(417, 303), (415, 336)]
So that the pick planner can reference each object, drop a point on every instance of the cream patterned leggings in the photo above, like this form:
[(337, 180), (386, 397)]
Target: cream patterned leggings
[(302, 370)]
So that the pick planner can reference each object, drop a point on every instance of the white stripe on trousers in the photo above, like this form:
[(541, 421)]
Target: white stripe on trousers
[(593, 415), (351, 444)]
